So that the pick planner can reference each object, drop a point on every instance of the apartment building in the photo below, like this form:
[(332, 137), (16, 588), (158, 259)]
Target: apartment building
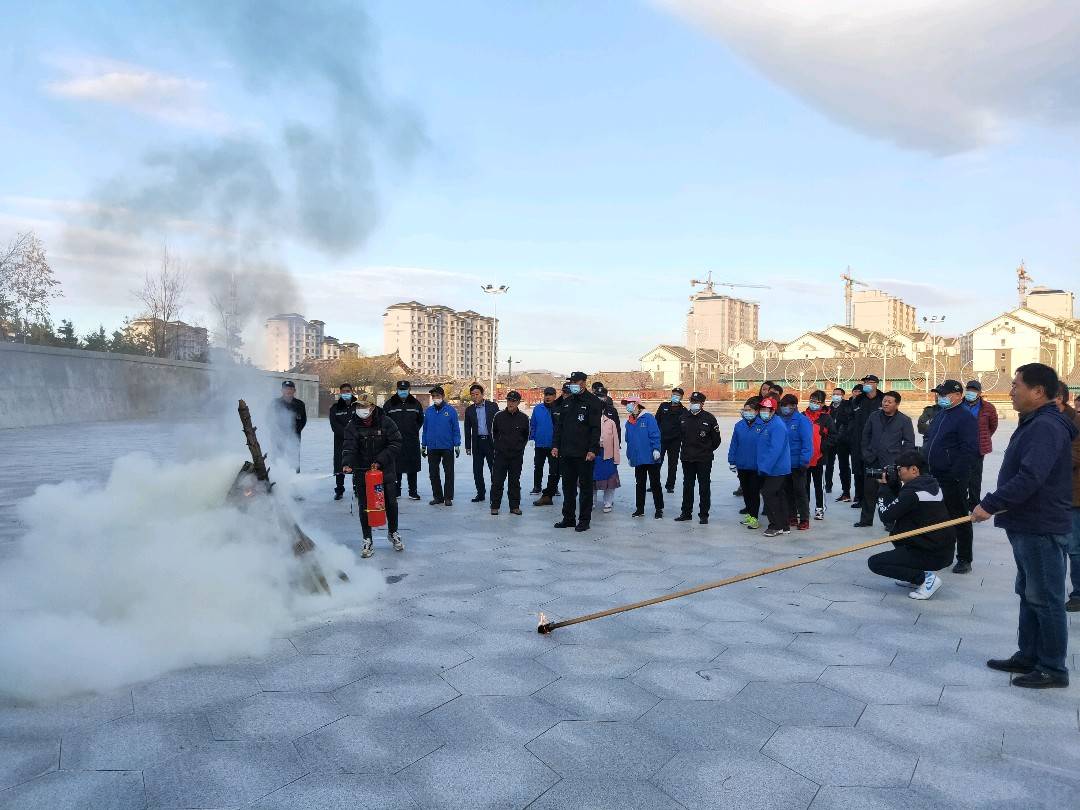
[(290, 339), (175, 340), (720, 321), (440, 341), (877, 311)]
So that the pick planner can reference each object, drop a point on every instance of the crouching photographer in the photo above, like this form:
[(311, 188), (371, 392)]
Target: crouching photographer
[(913, 500)]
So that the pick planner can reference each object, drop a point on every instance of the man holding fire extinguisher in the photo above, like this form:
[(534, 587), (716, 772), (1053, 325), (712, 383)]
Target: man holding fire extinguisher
[(372, 443)]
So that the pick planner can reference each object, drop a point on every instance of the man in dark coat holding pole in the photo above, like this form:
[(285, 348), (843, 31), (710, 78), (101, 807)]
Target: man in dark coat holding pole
[(408, 415)]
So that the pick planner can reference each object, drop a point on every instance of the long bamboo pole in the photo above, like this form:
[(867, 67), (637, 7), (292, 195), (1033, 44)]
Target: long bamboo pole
[(547, 627)]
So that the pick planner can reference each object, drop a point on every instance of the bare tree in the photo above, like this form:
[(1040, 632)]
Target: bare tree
[(232, 314), (26, 283), (162, 297)]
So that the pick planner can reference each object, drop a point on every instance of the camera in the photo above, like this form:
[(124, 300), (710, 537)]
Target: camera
[(892, 475)]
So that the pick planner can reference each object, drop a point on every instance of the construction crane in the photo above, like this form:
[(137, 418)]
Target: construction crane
[(709, 285), (849, 284), (1022, 279)]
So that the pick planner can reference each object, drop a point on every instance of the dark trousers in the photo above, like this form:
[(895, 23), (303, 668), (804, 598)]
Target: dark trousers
[(750, 484), (542, 456), (652, 473), (445, 459), (577, 488), (339, 476), (481, 453), (1040, 583), (955, 496), (838, 458), (797, 495), (669, 451), (389, 495), (506, 469), (871, 485), (411, 475), (858, 472), (902, 563), (772, 493), (974, 483), (700, 473), (815, 474)]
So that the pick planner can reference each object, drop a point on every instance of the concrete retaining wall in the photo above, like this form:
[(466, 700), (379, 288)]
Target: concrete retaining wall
[(43, 385)]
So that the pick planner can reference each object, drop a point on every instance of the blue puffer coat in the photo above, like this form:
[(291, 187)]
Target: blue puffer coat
[(441, 428), (742, 452), (773, 453), (642, 437), (800, 439), (541, 428)]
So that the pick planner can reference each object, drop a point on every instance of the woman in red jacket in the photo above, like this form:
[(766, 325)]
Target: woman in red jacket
[(823, 440)]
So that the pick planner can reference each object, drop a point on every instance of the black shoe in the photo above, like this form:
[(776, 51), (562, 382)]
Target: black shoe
[(435, 502), (856, 504), (703, 521), (556, 494), (659, 514), (637, 513), (961, 567), (480, 498), (862, 525), (534, 492), (744, 511), (1040, 680), (737, 493), (1013, 664), (338, 496), (448, 502), (843, 498), (683, 518), (414, 496), (581, 527), (669, 490), (1073, 605), (564, 524), (828, 490)]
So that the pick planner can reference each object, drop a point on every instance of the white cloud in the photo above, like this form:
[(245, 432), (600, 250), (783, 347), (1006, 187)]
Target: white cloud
[(172, 99), (943, 76)]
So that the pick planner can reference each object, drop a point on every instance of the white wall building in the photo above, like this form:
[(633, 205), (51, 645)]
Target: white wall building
[(718, 321), (440, 341), (1022, 336), (290, 339), (877, 311)]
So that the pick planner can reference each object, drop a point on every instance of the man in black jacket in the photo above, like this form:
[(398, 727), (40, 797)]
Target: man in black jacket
[(510, 435), (408, 415), (373, 441), (699, 440), (576, 444), (888, 433), (288, 416), (478, 418), (951, 448), (668, 418), (861, 407), (838, 454), (609, 409), (917, 502), (340, 413)]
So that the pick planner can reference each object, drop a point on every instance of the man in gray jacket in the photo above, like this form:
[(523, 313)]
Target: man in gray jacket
[(886, 435)]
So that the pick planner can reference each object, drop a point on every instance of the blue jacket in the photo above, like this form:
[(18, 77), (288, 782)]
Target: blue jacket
[(800, 438), (642, 437), (773, 452), (541, 428), (441, 429), (1035, 480), (742, 452), (951, 445)]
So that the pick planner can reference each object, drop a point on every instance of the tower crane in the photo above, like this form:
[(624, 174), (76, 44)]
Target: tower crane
[(849, 284), (1022, 279), (709, 285)]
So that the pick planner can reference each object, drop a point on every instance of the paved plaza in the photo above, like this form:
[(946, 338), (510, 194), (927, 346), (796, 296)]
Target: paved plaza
[(823, 687)]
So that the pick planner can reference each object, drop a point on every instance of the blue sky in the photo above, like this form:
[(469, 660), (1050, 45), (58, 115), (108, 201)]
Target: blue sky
[(594, 156)]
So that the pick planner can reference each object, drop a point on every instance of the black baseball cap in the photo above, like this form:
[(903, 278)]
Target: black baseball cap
[(403, 384), (973, 385), (871, 378), (514, 395), (437, 391), (599, 390), (549, 391), (566, 388), (949, 387), (697, 396), (578, 376), (288, 384), (678, 391)]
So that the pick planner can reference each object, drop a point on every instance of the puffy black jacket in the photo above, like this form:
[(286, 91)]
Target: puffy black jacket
[(375, 441), (577, 426), (926, 417), (861, 408), (700, 435), (340, 414), (509, 433), (294, 412), (843, 417), (408, 415), (886, 437), (668, 417), (919, 503)]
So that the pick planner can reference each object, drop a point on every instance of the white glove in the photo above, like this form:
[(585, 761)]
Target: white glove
[(655, 455)]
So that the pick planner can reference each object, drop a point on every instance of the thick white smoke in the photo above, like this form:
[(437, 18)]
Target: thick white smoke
[(151, 572)]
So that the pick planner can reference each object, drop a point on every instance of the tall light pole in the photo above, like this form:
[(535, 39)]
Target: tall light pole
[(492, 290), (510, 370), (696, 333), (933, 321)]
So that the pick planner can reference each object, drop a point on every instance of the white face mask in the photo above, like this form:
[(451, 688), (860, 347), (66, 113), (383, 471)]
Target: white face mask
[(363, 413), (436, 401)]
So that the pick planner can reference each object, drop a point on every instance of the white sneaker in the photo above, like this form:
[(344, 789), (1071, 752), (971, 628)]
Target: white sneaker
[(395, 539), (930, 586), (368, 548), (608, 507), (819, 514)]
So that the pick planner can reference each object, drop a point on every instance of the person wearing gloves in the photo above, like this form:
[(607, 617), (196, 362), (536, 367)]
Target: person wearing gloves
[(774, 467), (441, 444), (643, 453), (699, 440), (340, 413), (951, 447), (408, 415), (373, 442), (742, 459), (821, 421), (541, 433), (668, 416), (801, 447), (606, 469), (887, 434), (509, 436)]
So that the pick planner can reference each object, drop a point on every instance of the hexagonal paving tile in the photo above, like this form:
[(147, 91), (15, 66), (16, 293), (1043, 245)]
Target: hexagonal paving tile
[(339, 791), (799, 704), (731, 780), (274, 716), (346, 638), (707, 724), (837, 650), (952, 733), (580, 659), (55, 717), (133, 743), (462, 777), (72, 790), (688, 680), (222, 774), (860, 798), (313, 673), (23, 756), (493, 721), (499, 676), (408, 695), (1010, 706), (994, 781), (845, 757), (586, 794), (592, 750), (881, 685), (193, 690), (375, 744), (598, 698), (767, 664), (526, 643)]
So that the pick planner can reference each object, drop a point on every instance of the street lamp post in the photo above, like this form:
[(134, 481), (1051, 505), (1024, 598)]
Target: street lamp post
[(696, 333), (933, 321), (494, 291)]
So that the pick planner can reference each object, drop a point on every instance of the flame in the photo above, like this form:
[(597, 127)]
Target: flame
[(543, 618)]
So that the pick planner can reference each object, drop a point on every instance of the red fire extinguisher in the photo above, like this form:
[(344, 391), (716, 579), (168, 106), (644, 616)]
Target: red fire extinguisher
[(376, 498)]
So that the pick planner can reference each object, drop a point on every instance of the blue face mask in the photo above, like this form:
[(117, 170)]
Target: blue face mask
[(944, 402), (766, 415), (695, 407), (676, 398), (749, 415), (630, 409), (346, 396), (814, 406), (867, 389), (971, 396), (786, 410), (837, 399), (575, 388), (403, 394)]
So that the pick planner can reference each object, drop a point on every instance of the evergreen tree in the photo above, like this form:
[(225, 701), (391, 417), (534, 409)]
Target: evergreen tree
[(66, 335), (97, 341)]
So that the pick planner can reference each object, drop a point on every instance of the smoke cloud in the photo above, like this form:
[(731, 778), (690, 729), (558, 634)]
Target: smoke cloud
[(942, 77)]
